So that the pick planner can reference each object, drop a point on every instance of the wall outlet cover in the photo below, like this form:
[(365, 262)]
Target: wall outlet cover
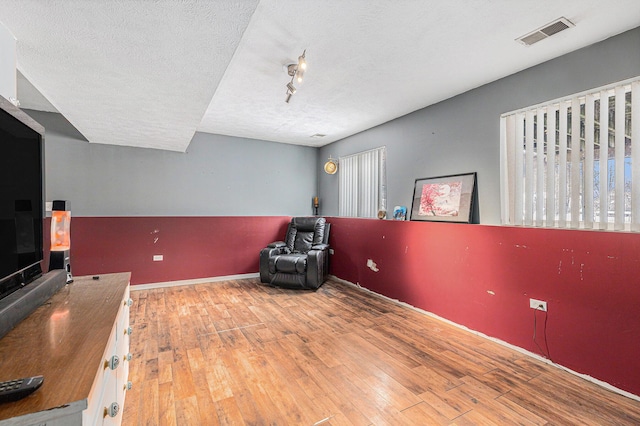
[(540, 305)]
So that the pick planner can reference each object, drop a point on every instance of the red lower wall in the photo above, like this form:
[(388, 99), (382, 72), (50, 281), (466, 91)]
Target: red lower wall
[(192, 247), (478, 276), (483, 276)]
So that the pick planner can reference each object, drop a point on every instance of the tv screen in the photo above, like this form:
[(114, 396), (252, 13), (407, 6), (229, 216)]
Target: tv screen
[(21, 198)]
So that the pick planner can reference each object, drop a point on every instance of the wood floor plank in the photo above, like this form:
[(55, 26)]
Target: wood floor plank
[(425, 414), (187, 412), (183, 386), (149, 403), (380, 382), (396, 368), (199, 367), (505, 411), (451, 406), (151, 369), (348, 407), (165, 366), (166, 405), (248, 388), (238, 352), (551, 407), (288, 396), (373, 405), (437, 380), (218, 380), (393, 392), (475, 417), (228, 413), (603, 400), (385, 339), (501, 381), (582, 406)]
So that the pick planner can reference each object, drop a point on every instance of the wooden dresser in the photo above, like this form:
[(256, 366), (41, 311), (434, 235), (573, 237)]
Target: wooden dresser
[(79, 341)]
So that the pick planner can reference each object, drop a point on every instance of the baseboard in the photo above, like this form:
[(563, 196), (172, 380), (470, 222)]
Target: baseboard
[(598, 382), (149, 286)]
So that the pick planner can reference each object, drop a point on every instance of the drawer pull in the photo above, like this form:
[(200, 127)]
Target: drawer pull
[(113, 362), (129, 302), (128, 386), (112, 410), (129, 357), (128, 331)]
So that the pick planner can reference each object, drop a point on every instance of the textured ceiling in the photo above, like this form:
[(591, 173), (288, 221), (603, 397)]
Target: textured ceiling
[(150, 74)]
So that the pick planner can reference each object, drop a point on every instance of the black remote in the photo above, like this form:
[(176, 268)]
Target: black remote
[(13, 390)]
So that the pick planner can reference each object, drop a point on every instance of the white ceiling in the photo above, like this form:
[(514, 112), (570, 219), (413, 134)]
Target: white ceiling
[(151, 74)]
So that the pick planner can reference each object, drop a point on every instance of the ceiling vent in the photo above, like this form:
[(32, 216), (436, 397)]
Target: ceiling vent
[(548, 30)]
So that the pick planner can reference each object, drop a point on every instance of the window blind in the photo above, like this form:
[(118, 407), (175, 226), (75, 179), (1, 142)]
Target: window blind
[(362, 184), (573, 162)]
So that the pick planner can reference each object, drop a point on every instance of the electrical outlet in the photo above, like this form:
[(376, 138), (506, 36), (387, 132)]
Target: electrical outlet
[(540, 305), (158, 257)]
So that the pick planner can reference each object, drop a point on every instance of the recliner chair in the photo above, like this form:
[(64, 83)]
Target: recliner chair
[(302, 260)]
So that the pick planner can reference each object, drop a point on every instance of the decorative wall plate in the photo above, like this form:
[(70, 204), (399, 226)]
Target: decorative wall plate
[(330, 167)]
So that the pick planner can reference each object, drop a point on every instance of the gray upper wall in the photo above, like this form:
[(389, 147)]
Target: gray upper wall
[(226, 176), (462, 134), (217, 176)]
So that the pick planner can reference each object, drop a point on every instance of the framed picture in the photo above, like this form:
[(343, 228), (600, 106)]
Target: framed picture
[(399, 213), (444, 198)]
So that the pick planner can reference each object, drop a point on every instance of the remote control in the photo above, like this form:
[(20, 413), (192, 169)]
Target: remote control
[(13, 390)]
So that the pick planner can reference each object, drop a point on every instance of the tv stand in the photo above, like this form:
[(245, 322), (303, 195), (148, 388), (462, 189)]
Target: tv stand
[(78, 341), (19, 304)]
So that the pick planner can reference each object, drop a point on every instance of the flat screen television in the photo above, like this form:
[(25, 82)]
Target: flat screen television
[(21, 198)]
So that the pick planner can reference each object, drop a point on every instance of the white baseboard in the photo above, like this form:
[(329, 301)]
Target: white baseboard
[(493, 339), (194, 281)]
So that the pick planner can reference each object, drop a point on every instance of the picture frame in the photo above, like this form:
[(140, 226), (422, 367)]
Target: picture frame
[(444, 198), (399, 213)]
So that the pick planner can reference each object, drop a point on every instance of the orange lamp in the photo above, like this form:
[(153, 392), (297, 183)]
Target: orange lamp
[(60, 227), (59, 256)]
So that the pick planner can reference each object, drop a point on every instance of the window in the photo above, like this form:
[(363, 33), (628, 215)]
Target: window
[(362, 184), (572, 162)]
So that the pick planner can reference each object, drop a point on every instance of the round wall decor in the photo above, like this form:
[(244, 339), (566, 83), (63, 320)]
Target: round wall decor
[(331, 167)]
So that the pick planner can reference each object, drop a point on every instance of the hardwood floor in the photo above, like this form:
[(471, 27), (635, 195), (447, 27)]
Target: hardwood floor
[(238, 352)]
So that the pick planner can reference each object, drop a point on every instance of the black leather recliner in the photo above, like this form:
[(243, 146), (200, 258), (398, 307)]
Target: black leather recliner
[(302, 260)]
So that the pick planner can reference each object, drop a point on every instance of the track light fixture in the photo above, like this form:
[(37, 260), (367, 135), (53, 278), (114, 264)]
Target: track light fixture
[(296, 72), (290, 90)]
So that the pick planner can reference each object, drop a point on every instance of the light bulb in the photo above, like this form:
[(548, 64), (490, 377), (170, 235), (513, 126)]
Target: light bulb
[(302, 62)]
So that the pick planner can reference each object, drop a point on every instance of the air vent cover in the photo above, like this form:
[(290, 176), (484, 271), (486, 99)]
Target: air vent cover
[(546, 31)]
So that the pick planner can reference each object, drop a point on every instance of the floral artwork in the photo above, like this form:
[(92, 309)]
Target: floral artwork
[(445, 199), (440, 199)]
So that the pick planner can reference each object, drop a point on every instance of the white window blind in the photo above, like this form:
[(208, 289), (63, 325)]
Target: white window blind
[(573, 162), (362, 184)]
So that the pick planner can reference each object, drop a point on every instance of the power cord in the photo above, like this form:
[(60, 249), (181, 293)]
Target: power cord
[(535, 328)]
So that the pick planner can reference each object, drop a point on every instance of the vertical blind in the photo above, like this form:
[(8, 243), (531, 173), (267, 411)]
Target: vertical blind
[(573, 162), (362, 184)]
